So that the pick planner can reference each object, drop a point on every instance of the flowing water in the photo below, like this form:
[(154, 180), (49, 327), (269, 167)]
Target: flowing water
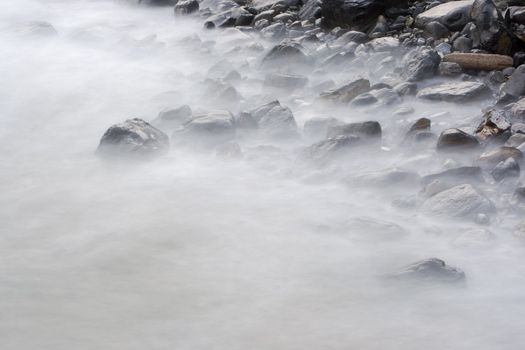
[(194, 251)]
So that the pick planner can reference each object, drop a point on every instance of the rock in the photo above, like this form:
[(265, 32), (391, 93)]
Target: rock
[(347, 92), (501, 154), (515, 86), (170, 119), (494, 124), (515, 140), (419, 65), (436, 30), (455, 176), (370, 130), (274, 31), (480, 61), (385, 178), (352, 36), (431, 270), (186, 7), (385, 44), (454, 15), (286, 81), (317, 128), (475, 238), (454, 92), (284, 55), (372, 228), (517, 112), (489, 33), (420, 127), (406, 88), (364, 100), (159, 2), (386, 96), (462, 201), (462, 44), (449, 69), (209, 129), (134, 137), (454, 139), (506, 168), (275, 120), (332, 147)]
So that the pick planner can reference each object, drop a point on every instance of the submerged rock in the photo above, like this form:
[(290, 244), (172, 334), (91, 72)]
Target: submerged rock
[(134, 137), (463, 201), (430, 270)]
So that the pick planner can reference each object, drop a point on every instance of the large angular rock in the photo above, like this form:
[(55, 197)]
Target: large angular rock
[(489, 33), (515, 86), (275, 120), (505, 169), (517, 111), (419, 65), (454, 91), (463, 201), (430, 270), (454, 15), (494, 124), (454, 139), (134, 137), (347, 92)]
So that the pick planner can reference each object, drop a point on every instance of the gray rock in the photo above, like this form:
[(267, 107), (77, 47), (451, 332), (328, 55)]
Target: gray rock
[(515, 86), (431, 270), (134, 137), (347, 92), (517, 112), (455, 176), (275, 120), (332, 147), (454, 139), (406, 88), (462, 44), (506, 168), (489, 33), (494, 124), (454, 15), (370, 130), (286, 55), (170, 119), (419, 65), (186, 7), (515, 140), (286, 81), (449, 69), (454, 92), (317, 128), (208, 130), (500, 154), (462, 201)]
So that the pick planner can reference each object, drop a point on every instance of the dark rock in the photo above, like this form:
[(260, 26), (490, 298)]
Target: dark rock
[(370, 130), (515, 86), (453, 139), (430, 271), (462, 44), (285, 55), (347, 92), (505, 169), (419, 65), (134, 137), (185, 7), (436, 30), (490, 34)]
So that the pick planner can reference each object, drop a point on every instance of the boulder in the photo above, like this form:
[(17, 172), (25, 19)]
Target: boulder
[(286, 55), (186, 7), (517, 111), (332, 147), (515, 86), (419, 65), (317, 128), (347, 92), (456, 139), (489, 33), (454, 92), (454, 15), (275, 120), (431, 270), (494, 124), (134, 137), (209, 129), (506, 168), (462, 201), (500, 154), (370, 130)]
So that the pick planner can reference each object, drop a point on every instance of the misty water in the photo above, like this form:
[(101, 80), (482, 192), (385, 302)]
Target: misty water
[(192, 250)]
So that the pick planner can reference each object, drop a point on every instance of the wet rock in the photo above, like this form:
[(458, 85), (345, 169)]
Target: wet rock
[(419, 128), (515, 86), (480, 61), (352, 36), (186, 7), (419, 65), (134, 137), (386, 96), (286, 81), (170, 119), (489, 33), (449, 69), (494, 124), (454, 92), (454, 15), (431, 270), (370, 130), (406, 88), (332, 147), (462, 201), (454, 139), (455, 176), (364, 100), (317, 128), (505, 169), (501, 154), (284, 55), (208, 130), (385, 44), (515, 140), (517, 112), (436, 30), (274, 31), (347, 92), (275, 120)]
